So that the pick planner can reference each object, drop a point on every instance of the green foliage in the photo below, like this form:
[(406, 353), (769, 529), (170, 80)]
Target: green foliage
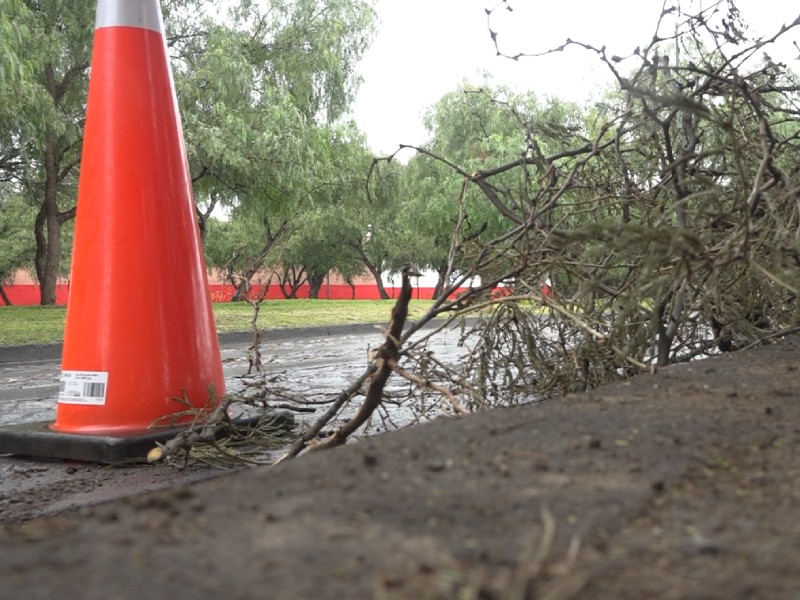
[(262, 94), (259, 89), (470, 128), (233, 243), (383, 241), (17, 248), (45, 67), (12, 69), (258, 92), (49, 51)]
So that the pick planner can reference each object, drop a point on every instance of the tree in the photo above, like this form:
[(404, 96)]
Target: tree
[(470, 127), (258, 91), (372, 225), (42, 121), (254, 86), (319, 234), (17, 249), (264, 94), (238, 248)]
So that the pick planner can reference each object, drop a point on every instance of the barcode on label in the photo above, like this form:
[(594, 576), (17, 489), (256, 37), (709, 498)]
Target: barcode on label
[(94, 390), (83, 387)]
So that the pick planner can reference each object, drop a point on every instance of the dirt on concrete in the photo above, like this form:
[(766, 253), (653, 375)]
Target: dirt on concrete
[(680, 484)]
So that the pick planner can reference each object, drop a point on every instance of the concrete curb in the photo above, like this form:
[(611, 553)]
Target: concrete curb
[(30, 353), (52, 352)]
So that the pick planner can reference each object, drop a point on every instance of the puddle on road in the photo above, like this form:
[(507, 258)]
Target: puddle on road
[(317, 369)]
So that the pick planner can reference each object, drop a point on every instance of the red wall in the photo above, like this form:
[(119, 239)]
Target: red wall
[(223, 293), (25, 294)]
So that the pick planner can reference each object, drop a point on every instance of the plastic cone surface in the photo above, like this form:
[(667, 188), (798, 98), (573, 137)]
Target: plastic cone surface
[(139, 329)]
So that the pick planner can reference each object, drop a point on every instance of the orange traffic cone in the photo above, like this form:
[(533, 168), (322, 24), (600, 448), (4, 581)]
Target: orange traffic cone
[(139, 332), (139, 329)]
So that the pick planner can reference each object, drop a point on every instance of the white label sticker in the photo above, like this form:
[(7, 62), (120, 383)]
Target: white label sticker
[(83, 387)]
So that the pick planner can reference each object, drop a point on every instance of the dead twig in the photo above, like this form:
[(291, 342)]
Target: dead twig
[(533, 559), (204, 429), (426, 383)]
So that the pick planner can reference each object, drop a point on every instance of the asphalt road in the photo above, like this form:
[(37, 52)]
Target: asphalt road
[(322, 359), (315, 363)]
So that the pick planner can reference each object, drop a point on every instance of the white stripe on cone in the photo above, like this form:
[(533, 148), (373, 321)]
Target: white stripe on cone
[(144, 14)]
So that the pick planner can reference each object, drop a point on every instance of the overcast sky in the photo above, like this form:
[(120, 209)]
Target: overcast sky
[(426, 48)]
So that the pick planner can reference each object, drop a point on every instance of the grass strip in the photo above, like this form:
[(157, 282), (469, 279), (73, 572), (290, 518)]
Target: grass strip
[(21, 325)]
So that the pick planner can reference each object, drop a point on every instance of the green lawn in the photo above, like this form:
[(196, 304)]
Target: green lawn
[(43, 325)]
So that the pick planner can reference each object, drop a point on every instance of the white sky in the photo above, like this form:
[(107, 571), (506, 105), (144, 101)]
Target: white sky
[(426, 48)]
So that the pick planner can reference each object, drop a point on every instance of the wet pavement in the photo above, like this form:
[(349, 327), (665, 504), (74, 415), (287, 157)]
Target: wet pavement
[(300, 366), (318, 362)]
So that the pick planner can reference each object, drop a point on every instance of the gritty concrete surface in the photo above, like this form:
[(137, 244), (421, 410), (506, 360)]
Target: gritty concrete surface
[(683, 484)]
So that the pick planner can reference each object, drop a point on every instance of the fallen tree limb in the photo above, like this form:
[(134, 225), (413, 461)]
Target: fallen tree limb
[(385, 356), (426, 383), (217, 430), (377, 374), (205, 432)]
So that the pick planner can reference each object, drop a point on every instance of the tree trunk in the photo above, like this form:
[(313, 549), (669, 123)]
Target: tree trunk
[(441, 283), (315, 283), (293, 279), (4, 296), (377, 274), (241, 289), (48, 225), (40, 258), (375, 271), (203, 215)]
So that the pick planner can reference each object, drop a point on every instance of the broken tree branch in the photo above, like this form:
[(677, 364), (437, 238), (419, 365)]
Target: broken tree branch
[(377, 374)]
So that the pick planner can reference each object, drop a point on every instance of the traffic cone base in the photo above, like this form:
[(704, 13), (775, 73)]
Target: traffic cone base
[(38, 440)]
